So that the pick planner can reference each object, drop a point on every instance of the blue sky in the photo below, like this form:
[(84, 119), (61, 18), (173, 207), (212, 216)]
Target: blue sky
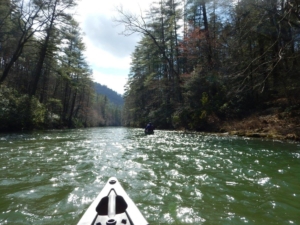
[(107, 52)]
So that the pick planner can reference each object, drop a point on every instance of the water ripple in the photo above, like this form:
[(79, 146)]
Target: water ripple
[(174, 177)]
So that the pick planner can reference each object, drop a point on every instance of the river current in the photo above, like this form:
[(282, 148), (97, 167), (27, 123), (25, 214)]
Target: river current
[(175, 178)]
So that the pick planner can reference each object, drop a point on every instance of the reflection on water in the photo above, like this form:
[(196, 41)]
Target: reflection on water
[(175, 178)]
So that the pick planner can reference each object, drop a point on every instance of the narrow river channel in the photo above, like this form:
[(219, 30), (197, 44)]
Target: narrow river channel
[(51, 177)]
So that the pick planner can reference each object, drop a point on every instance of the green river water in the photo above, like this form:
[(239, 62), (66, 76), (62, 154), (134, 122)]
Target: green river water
[(51, 177)]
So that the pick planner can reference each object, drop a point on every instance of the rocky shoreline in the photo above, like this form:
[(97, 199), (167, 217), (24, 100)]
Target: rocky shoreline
[(278, 126), (265, 135)]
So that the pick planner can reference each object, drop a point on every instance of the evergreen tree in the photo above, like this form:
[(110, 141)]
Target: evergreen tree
[(25, 19)]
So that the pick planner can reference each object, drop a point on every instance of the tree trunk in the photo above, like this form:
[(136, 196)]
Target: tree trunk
[(72, 109), (43, 52), (209, 50)]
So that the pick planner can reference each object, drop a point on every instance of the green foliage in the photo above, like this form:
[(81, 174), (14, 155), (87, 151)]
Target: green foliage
[(204, 99), (33, 112), (19, 112), (8, 109), (46, 79), (225, 69)]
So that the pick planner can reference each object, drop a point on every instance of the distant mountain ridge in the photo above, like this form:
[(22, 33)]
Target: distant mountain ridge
[(113, 96)]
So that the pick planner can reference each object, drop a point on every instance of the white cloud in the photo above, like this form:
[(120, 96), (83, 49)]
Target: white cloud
[(115, 83), (108, 7), (98, 57), (107, 52), (104, 35)]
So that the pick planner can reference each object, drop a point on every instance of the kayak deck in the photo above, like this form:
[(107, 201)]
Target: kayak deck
[(113, 207)]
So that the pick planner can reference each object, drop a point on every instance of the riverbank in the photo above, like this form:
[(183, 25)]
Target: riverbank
[(280, 126)]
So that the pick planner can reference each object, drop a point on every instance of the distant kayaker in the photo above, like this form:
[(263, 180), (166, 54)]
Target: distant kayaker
[(149, 128)]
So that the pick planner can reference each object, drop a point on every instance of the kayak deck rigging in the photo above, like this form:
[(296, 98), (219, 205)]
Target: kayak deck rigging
[(113, 207)]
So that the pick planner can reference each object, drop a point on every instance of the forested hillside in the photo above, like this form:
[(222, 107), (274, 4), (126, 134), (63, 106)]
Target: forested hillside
[(45, 81), (111, 95), (203, 62)]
